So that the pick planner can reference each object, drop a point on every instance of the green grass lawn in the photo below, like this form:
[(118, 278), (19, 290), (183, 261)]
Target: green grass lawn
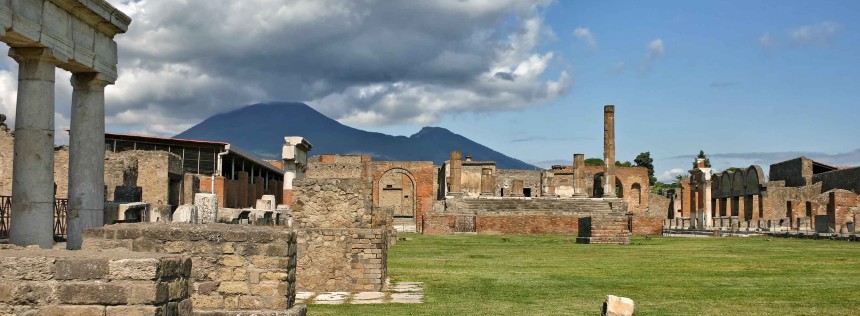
[(548, 275)]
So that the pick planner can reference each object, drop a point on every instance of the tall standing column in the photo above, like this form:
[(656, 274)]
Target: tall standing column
[(579, 175), (86, 156), (609, 151), (707, 204), (33, 163), (456, 169)]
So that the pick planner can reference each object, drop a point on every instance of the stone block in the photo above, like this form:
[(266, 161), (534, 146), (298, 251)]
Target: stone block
[(617, 306), (207, 207), (147, 293), (80, 293), (27, 268), (72, 310), (134, 269), (185, 214), (233, 288), (135, 310), (81, 269)]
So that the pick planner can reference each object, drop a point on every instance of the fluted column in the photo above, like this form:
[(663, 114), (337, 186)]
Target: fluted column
[(609, 151), (33, 162), (86, 156)]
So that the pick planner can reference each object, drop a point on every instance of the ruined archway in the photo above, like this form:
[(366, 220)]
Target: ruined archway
[(636, 193), (397, 204)]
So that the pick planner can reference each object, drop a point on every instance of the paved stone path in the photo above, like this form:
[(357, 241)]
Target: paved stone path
[(402, 292)]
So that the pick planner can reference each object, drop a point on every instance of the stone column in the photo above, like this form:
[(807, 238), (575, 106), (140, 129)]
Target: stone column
[(755, 207), (517, 188), (579, 176), (609, 151), (33, 162), (456, 169), (707, 203), (86, 156), (488, 183), (550, 186)]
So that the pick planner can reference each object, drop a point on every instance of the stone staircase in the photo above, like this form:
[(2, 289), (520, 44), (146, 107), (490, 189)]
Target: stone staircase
[(603, 229)]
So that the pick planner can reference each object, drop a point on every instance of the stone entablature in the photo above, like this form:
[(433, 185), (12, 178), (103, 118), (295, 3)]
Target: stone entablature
[(78, 33)]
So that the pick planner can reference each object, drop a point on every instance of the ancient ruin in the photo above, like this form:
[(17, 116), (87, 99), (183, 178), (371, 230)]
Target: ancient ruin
[(801, 196)]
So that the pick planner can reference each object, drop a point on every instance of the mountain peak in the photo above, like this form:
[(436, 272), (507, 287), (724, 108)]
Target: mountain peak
[(260, 128)]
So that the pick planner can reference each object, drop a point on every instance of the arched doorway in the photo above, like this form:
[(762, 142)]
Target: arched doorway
[(397, 202)]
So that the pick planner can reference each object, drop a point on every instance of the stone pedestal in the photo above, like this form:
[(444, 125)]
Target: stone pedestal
[(86, 156), (267, 202), (207, 207), (185, 214), (33, 162)]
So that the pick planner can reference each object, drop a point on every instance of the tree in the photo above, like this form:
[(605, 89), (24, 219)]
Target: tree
[(645, 160), (623, 164), (702, 156), (593, 162)]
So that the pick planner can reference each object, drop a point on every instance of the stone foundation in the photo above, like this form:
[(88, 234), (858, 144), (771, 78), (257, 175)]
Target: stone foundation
[(237, 269), (341, 259), (112, 282)]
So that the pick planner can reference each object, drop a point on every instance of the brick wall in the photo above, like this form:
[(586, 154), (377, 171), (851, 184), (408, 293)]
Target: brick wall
[(527, 224), (235, 267), (438, 224), (114, 282), (646, 225), (342, 259)]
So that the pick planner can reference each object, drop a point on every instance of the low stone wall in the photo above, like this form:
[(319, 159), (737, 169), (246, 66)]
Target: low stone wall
[(342, 259), (237, 269), (114, 282), (645, 225), (526, 223), (439, 224)]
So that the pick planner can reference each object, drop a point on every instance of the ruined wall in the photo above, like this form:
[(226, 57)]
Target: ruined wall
[(235, 267), (795, 172), (111, 282), (120, 171), (342, 259), (332, 203), (471, 176), (7, 151), (319, 170), (841, 204), (845, 179), (154, 171), (635, 196), (526, 223), (505, 177), (659, 205), (643, 225), (422, 173)]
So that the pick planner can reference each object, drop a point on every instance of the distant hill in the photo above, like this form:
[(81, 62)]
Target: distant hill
[(260, 128)]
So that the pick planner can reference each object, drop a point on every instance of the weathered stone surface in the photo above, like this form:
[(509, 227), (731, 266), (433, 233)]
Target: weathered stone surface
[(207, 207), (186, 214), (617, 306), (129, 269)]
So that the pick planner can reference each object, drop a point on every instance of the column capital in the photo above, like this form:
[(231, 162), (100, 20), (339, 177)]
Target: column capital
[(90, 81), (45, 54)]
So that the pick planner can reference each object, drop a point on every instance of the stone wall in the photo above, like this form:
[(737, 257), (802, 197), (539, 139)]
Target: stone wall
[(643, 225), (332, 203), (342, 259), (154, 171), (505, 178), (846, 179), (235, 267), (120, 171), (422, 173), (111, 282), (659, 205), (795, 172), (7, 151)]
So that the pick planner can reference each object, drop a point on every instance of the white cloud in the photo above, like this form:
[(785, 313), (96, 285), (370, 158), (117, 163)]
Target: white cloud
[(361, 62), (766, 40), (670, 175), (584, 34), (815, 34), (619, 67), (656, 49)]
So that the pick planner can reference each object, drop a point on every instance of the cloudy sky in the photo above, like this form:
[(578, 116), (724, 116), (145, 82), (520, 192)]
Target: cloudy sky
[(753, 83)]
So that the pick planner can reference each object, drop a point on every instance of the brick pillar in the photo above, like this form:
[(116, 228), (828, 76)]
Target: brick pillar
[(742, 211), (718, 207), (242, 190), (260, 185), (455, 178), (756, 207), (221, 191), (517, 188), (609, 151)]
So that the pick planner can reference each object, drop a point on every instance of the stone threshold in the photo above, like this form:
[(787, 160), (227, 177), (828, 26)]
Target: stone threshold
[(398, 293)]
